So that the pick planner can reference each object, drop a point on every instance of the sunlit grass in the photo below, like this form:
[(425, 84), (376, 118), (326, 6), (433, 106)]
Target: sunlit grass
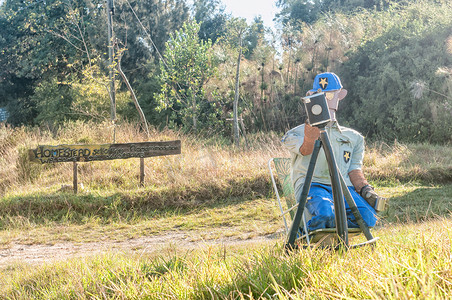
[(411, 261)]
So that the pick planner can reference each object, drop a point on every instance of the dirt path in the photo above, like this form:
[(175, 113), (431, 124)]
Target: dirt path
[(47, 253)]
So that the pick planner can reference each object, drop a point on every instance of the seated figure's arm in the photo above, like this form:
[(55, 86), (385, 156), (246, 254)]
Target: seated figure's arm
[(365, 189), (358, 180), (356, 162), (301, 139), (360, 183)]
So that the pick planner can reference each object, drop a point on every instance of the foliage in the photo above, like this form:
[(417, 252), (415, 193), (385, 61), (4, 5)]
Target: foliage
[(54, 48), (146, 89), (406, 75), (212, 17), (293, 11), (142, 28), (40, 42), (53, 102), (65, 40), (369, 51), (253, 36), (296, 12), (59, 102), (186, 68)]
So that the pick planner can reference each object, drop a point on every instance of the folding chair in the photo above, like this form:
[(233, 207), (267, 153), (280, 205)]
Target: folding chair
[(283, 167)]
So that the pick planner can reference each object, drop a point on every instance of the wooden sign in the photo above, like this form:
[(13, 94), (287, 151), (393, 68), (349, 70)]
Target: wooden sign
[(84, 153)]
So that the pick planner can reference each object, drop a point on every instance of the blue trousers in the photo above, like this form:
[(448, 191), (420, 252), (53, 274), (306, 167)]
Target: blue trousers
[(321, 206)]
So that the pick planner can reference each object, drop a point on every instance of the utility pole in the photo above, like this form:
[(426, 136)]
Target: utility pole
[(110, 14)]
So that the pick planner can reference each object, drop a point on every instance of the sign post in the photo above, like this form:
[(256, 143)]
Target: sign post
[(75, 176), (141, 171)]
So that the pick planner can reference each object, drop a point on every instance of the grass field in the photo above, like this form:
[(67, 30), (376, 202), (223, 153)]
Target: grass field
[(213, 191)]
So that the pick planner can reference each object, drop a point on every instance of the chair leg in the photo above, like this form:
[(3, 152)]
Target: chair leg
[(275, 188)]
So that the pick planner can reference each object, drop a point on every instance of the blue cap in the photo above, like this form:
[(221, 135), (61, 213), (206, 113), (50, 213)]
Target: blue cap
[(326, 82)]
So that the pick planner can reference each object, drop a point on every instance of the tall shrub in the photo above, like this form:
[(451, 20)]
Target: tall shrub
[(400, 82)]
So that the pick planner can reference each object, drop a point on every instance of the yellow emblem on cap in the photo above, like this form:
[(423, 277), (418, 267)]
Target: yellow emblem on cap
[(323, 82)]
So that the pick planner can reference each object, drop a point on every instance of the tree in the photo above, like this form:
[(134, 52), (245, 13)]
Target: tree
[(143, 27), (254, 35), (298, 11), (237, 28), (211, 15), (41, 41), (186, 68)]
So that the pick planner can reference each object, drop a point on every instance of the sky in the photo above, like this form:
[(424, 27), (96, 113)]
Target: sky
[(251, 8)]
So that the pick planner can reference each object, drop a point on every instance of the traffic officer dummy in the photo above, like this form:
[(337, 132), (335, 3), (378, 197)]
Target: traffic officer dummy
[(348, 149)]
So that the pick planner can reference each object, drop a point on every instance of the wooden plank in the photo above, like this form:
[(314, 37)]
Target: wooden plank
[(85, 153)]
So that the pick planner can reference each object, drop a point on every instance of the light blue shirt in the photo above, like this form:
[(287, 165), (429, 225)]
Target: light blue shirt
[(348, 149)]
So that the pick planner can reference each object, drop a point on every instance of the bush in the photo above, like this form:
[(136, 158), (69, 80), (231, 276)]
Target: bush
[(399, 82)]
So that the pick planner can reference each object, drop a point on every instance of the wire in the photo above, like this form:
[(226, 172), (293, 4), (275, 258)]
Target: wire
[(149, 36), (159, 54)]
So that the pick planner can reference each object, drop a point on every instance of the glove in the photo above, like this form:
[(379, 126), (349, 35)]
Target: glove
[(377, 202), (311, 134)]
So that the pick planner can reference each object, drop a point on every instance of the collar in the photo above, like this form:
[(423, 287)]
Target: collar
[(334, 125)]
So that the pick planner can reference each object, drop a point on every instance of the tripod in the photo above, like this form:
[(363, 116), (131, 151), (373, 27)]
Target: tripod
[(339, 189)]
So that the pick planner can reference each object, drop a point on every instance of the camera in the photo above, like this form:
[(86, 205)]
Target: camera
[(381, 204), (317, 109)]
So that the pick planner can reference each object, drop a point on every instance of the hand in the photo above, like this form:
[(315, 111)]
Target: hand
[(377, 202), (368, 193), (311, 133)]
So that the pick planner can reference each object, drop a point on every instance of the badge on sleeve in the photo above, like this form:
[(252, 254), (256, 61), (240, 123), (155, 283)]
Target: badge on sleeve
[(347, 156)]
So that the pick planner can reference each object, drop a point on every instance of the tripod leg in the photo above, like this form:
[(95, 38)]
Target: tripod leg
[(303, 197), (351, 203), (338, 197)]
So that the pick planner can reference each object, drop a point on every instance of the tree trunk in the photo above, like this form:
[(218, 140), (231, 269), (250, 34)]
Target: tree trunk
[(262, 83), (236, 99), (112, 94)]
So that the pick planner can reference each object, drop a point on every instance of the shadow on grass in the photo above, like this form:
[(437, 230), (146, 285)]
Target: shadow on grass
[(127, 205), (419, 205), (131, 205)]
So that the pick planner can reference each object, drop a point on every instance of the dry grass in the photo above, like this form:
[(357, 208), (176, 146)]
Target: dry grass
[(210, 171), (409, 162), (203, 162), (209, 168)]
